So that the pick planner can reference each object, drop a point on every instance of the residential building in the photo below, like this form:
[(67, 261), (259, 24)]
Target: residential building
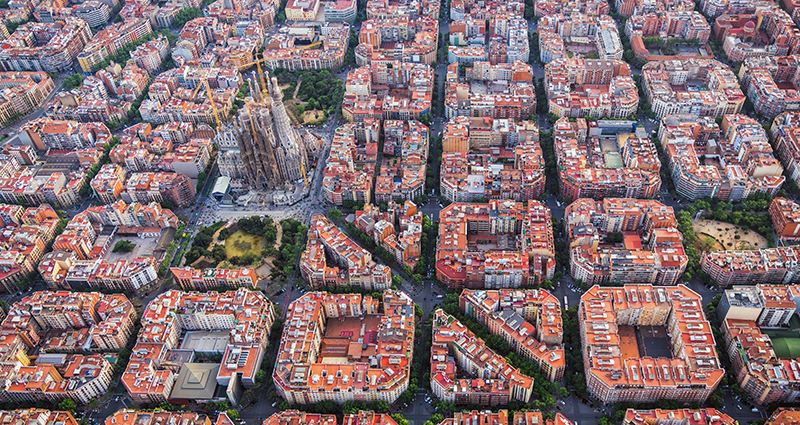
[(410, 87), (607, 318), (402, 175), (246, 316), (21, 93), (491, 158), (41, 416), (280, 51), (24, 238), (770, 266), (94, 12), (150, 55), (651, 250), (785, 134), (477, 248), (88, 268), (737, 157), (594, 88), (341, 11), (296, 417), (783, 416), (376, 335), (760, 373), (302, 10), (140, 417), (679, 416), (785, 215), (683, 24), (629, 166), (596, 33), (350, 168), (469, 42), (673, 87), (771, 33), (456, 347), (769, 83), (411, 40), (45, 47), (398, 230), (501, 417), (353, 266), (567, 7), (528, 320), (503, 90), (768, 306), (209, 279)]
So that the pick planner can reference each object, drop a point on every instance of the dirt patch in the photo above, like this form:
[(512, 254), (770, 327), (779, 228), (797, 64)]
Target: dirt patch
[(310, 117), (727, 236), (240, 243)]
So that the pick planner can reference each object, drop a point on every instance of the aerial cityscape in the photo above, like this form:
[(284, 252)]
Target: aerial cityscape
[(399, 212)]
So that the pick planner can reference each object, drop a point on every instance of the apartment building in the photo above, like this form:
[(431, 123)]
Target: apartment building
[(675, 87), (26, 234), (280, 51), (382, 9), (632, 171), (770, 266), (246, 315), (150, 55), (716, 8), (785, 133), (615, 372), (341, 11), (783, 416), (22, 92), (680, 416), (45, 47), (471, 165), (402, 175), (66, 322), (287, 417), (586, 87), (737, 157), (88, 268), (769, 82), (785, 215), (685, 24), (591, 7), (592, 32), (40, 416), (111, 39), (345, 347), (32, 187), (508, 42), (528, 320), (768, 306), (772, 32), (761, 374), (503, 90), (410, 87), (476, 247), (412, 40), (651, 251), (398, 230), (350, 168), (353, 265), (180, 95), (209, 279), (456, 347)]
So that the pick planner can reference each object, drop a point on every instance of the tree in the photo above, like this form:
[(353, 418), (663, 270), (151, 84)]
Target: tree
[(233, 414), (67, 404), (335, 214), (397, 280)]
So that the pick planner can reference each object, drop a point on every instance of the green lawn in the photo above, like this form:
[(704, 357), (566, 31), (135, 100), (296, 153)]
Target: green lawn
[(241, 242), (786, 348)]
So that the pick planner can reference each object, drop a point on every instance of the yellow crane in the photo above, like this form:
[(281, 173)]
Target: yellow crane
[(210, 98)]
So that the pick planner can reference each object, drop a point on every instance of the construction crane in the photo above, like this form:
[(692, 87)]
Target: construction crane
[(292, 50), (303, 171)]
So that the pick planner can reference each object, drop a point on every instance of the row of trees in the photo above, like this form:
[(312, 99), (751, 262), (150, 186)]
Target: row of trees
[(94, 169)]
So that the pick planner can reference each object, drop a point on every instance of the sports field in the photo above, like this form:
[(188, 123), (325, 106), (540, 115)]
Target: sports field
[(786, 348)]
